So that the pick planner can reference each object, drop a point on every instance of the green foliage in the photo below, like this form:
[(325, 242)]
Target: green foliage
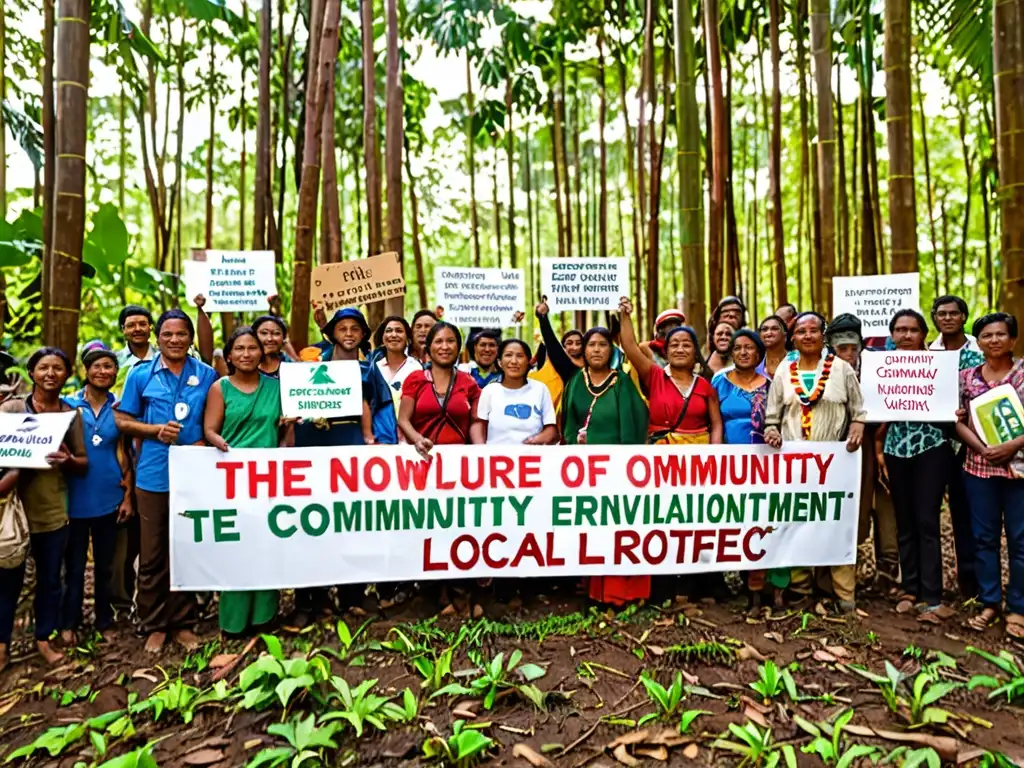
[(137, 758), (827, 742), (1012, 686), (912, 701), (463, 748), (769, 683), (756, 747), (306, 741), (667, 699), (274, 678), (359, 706), (496, 676), (704, 652)]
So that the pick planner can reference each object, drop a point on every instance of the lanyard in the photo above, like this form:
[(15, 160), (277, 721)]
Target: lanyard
[(181, 409)]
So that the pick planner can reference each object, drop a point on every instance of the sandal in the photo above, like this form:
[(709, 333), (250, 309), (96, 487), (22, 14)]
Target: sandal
[(1015, 626), (982, 621)]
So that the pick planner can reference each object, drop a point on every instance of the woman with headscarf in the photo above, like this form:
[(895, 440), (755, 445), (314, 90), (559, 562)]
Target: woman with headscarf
[(601, 406), (719, 339), (392, 342), (817, 398), (44, 495), (683, 406), (774, 337), (482, 349)]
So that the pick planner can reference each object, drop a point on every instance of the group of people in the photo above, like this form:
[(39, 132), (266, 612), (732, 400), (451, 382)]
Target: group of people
[(793, 378)]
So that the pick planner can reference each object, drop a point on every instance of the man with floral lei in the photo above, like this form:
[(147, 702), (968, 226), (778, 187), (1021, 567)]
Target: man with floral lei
[(816, 397)]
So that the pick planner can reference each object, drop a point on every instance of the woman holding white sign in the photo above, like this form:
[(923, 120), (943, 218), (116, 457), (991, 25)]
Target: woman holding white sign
[(243, 410), (993, 472), (916, 453), (816, 397)]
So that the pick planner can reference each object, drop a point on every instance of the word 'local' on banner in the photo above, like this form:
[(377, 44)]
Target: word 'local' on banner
[(325, 390), (584, 284), (27, 438), (231, 281), (874, 299), (910, 386), (358, 282), (301, 517), (480, 297)]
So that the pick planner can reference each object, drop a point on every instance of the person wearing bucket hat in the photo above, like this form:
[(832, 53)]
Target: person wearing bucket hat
[(98, 501), (844, 336)]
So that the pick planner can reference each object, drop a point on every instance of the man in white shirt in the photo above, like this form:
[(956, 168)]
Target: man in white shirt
[(949, 314)]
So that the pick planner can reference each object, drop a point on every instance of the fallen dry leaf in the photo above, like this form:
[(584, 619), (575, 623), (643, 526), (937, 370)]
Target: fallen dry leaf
[(667, 737), (690, 751), (222, 660), (213, 743), (754, 716), (691, 679), (464, 714), (862, 613), (656, 650), (204, 757), (633, 737), (839, 651), (252, 744), (664, 623), (824, 656), (145, 674), (946, 746), (620, 754), (776, 636), (748, 653), (762, 708), (527, 753), (655, 753)]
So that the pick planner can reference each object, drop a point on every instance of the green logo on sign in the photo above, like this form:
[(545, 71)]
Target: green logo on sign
[(320, 376)]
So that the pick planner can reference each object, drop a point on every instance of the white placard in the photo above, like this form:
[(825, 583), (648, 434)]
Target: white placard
[(231, 281), (27, 438), (480, 297), (582, 284), (276, 518), (910, 386), (874, 299), (321, 390)]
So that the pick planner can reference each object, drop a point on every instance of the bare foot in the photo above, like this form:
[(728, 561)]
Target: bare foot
[(187, 639), (50, 654), (67, 637), (155, 642)]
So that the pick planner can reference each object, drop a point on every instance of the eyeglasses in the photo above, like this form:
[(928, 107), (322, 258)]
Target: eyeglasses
[(948, 315)]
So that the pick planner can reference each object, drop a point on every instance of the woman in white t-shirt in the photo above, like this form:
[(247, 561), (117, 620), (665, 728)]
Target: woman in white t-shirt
[(391, 342), (515, 409)]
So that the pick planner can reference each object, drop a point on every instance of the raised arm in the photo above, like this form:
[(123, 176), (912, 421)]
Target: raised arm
[(560, 360), (627, 338), (204, 330)]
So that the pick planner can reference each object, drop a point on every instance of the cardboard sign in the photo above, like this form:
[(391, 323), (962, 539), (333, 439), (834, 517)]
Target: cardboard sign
[(325, 390), (353, 283), (582, 284), (480, 297), (910, 386), (27, 438), (874, 299), (302, 517), (231, 281)]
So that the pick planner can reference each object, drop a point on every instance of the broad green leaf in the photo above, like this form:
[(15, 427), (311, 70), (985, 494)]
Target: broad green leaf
[(273, 646), (531, 672), (452, 689), (287, 687), (269, 758)]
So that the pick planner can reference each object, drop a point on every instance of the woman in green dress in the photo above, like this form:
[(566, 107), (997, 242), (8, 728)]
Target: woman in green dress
[(602, 406), (243, 410)]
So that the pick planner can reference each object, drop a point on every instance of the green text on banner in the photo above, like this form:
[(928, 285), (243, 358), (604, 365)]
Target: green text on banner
[(274, 518), (321, 390)]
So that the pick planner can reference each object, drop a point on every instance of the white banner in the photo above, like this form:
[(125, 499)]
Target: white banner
[(480, 297), (300, 517), (27, 438), (874, 299), (910, 386), (324, 390), (581, 284), (231, 281)]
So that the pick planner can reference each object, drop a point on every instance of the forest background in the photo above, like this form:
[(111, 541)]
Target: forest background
[(751, 147)]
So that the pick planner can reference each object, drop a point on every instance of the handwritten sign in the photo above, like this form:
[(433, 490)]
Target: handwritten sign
[(352, 283), (874, 299), (27, 438), (910, 386), (480, 297), (231, 281), (581, 284), (321, 390)]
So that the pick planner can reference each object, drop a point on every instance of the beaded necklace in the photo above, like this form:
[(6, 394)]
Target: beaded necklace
[(808, 400)]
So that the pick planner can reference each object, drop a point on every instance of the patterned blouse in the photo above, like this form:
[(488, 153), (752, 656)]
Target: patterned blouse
[(973, 384)]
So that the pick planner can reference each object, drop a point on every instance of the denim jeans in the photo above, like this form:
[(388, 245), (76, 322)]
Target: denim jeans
[(998, 502), (103, 532), (963, 533), (48, 553)]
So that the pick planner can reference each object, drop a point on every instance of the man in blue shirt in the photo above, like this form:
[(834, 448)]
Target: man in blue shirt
[(97, 500), (482, 349), (163, 404)]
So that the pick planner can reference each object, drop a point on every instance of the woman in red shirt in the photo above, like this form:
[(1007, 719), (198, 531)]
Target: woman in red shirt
[(439, 403)]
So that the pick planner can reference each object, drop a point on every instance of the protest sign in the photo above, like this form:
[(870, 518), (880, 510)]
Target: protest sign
[(324, 390), (874, 299), (300, 517), (231, 281), (998, 415), (910, 386), (352, 283), (582, 284), (27, 438), (480, 297)]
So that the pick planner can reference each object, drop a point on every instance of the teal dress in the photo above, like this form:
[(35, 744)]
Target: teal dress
[(250, 421)]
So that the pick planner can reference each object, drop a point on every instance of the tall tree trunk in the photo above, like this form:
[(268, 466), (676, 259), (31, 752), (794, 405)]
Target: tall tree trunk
[(49, 164), (525, 151), (211, 138), (556, 154), (718, 150), (69, 189), (371, 154), (285, 131), (511, 173), (561, 125), (243, 189), (1008, 64), (844, 201), (868, 242), (417, 250), (602, 118), (733, 270), (394, 142), (929, 189), (775, 157), (821, 44), (316, 100), (495, 206), (471, 154), (657, 159), (691, 191), (262, 201), (799, 24), (330, 202), (577, 161), (990, 278), (900, 121), (631, 175), (646, 75)]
